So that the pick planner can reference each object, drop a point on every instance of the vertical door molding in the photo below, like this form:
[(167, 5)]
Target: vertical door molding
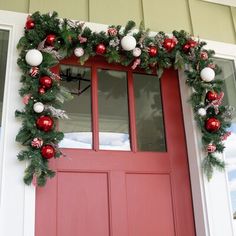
[(16, 200), (211, 200)]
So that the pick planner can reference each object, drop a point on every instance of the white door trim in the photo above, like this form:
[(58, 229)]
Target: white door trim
[(17, 201)]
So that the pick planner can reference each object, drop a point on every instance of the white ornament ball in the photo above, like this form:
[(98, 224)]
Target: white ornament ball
[(128, 43), (207, 74), (38, 107), (34, 57), (137, 52), (202, 111), (79, 52)]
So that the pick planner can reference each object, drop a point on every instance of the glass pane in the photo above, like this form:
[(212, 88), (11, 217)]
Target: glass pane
[(113, 110), (149, 117), (4, 37), (78, 128), (229, 76)]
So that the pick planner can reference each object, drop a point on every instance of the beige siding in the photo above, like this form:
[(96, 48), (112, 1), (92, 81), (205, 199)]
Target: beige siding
[(15, 5), (115, 12), (73, 9), (206, 20), (167, 15), (212, 21)]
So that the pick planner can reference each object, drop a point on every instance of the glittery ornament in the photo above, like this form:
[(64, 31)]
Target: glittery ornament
[(137, 52), (79, 52), (112, 31), (37, 142), (202, 111), (204, 55), (211, 148)]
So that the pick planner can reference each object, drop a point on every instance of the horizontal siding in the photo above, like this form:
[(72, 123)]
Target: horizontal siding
[(15, 5), (203, 19), (73, 9), (212, 21), (115, 12), (167, 15)]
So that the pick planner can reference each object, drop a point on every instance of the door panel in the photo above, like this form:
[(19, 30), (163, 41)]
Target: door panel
[(82, 204), (122, 193), (149, 204)]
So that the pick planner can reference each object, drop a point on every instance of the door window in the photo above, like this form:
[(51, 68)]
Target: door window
[(113, 110), (78, 128), (149, 117), (127, 109)]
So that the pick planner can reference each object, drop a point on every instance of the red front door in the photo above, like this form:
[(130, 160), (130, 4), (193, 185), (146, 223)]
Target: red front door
[(139, 189)]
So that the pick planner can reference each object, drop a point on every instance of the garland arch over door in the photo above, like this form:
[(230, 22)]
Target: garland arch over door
[(132, 192)]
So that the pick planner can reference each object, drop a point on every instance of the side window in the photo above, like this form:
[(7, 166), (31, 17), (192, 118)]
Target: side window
[(229, 76), (4, 37)]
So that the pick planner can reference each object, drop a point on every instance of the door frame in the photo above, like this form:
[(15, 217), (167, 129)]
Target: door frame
[(211, 209)]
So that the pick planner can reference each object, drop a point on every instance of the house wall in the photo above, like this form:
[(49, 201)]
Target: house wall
[(206, 20)]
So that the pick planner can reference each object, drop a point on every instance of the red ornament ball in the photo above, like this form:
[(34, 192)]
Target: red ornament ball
[(211, 96), (41, 90), (45, 123), (152, 51), (211, 148), (47, 151), (45, 82), (192, 43), (186, 48), (50, 39), (212, 125), (100, 48), (29, 24), (169, 44)]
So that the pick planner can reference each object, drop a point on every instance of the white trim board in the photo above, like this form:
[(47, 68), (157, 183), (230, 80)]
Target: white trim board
[(231, 3), (16, 199)]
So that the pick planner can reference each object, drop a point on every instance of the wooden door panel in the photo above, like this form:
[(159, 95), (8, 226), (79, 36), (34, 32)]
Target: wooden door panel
[(82, 204), (149, 202)]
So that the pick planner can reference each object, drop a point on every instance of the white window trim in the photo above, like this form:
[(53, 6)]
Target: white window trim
[(230, 3), (17, 201)]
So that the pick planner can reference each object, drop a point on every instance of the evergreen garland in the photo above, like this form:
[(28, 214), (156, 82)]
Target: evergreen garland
[(180, 51)]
